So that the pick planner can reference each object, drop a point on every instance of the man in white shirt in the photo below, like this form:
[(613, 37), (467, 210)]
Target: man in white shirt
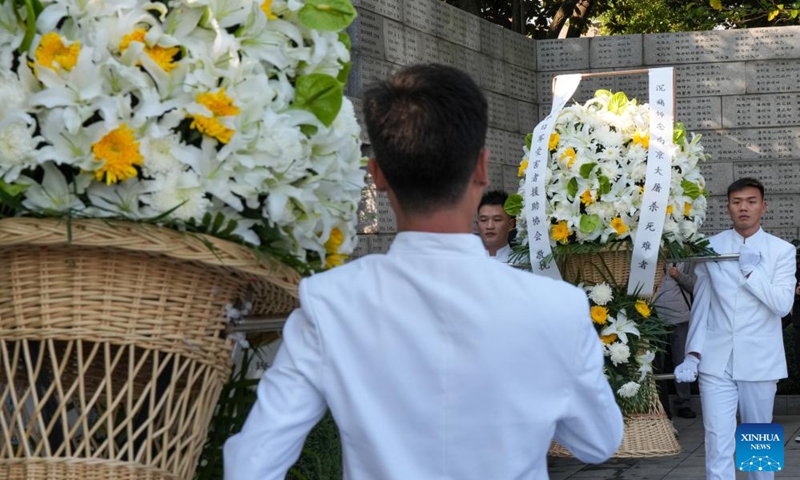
[(494, 225), (735, 337), (435, 360)]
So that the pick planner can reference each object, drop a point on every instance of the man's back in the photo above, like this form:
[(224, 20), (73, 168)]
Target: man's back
[(438, 362)]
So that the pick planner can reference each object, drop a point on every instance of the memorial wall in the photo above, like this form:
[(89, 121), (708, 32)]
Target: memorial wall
[(740, 89)]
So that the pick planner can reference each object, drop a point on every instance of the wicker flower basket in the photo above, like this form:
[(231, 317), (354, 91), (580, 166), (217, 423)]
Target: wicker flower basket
[(610, 265), (112, 349), (646, 435)]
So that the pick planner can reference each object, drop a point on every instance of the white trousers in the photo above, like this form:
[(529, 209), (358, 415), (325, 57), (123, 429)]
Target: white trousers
[(720, 397)]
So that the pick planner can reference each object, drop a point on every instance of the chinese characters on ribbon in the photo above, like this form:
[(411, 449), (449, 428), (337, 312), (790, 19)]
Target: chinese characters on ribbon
[(534, 188), (653, 213)]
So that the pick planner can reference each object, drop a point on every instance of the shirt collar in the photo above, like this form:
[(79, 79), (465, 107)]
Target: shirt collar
[(756, 237), (437, 243)]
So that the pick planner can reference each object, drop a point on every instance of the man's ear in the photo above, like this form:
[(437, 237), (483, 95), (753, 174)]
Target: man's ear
[(377, 175), (481, 175)]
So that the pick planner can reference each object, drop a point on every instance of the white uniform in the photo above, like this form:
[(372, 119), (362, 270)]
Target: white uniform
[(436, 362), (502, 254), (736, 328)]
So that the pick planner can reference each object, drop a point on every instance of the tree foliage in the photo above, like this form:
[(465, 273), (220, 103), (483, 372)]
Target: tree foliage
[(551, 18)]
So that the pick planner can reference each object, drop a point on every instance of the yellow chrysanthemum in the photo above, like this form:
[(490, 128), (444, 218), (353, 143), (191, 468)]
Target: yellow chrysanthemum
[(266, 7), (608, 339), (119, 152), (687, 209), (641, 189), (53, 53), (333, 257), (587, 198), (163, 56), (220, 105), (599, 314), (568, 157), (643, 140), (522, 167), (561, 232), (554, 138), (618, 225), (670, 209), (643, 308)]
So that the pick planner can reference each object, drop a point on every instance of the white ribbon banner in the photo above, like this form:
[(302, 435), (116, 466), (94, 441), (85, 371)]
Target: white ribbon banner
[(534, 189), (653, 212)]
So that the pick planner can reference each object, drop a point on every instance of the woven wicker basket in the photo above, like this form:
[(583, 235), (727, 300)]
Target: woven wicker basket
[(646, 435), (111, 341), (612, 265)]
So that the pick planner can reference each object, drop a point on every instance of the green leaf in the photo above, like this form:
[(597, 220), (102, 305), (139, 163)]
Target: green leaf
[(330, 15), (618, 103), (679, 134), (12, 190), (605, 185), (572, 187), (589, 223), (716, 4), (690, 189), (513, 205), (320, 94), (344, 72), (601, 92), (528, 140), (586, 169), (345, 39)]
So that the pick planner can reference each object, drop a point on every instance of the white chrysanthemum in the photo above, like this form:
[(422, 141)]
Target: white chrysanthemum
[(181, 195), (629, 390), (601, 294), (17, 149), (619, 353)]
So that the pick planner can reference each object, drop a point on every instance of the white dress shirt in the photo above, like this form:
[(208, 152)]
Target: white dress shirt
[(437, 362), (737, 318), (502, 253)]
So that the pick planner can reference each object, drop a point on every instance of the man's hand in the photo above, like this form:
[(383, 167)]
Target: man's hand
[(687, 371), (748, 259)]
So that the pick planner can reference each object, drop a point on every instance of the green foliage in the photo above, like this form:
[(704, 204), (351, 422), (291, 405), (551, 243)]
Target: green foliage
[(331, 15), (320, 94), (513, 205), (321, 458)]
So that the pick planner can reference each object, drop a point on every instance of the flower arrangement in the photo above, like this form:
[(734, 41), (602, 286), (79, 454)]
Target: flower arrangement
[(595, 177), (594, 186), (630, 333), (224, 117)]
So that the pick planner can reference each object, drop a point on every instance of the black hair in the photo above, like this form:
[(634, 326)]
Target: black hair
[(743, 183), (493, 197)]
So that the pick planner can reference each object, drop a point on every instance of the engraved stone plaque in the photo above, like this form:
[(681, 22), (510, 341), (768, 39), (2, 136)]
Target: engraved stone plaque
[(768, 43), (564, 54), (446, 52), (701, 113), (615, 51), (717, 218), (495, 176), (773, 76), (688, 47), (527, 116), (473, 63), (777, 177), (492, 39), (420, 47), (519, 50), (781, 213), (514, 144), (472, 39), (358, 108), (394, 42), (718, 176), (510, 179), (381, 243), (454, 24), (520, 83), (493, 74), (420, 15), (366, 35), (710, 79), (634, 85), (773, 110), (495, 142), (502, 111), (585, 91), (387, 222), (752, 144), (362, 247), (388, 8), (364, 72)]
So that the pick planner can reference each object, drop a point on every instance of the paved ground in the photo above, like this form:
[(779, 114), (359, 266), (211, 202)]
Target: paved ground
[(688, 465)]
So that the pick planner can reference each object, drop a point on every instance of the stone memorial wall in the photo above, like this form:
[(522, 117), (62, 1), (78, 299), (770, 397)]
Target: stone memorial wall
[(740, 89)]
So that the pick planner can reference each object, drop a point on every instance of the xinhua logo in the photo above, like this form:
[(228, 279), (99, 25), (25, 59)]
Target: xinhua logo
[(759, 447)]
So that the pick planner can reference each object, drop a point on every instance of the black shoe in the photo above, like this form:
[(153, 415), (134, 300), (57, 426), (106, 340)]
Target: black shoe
[(686, 412)]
